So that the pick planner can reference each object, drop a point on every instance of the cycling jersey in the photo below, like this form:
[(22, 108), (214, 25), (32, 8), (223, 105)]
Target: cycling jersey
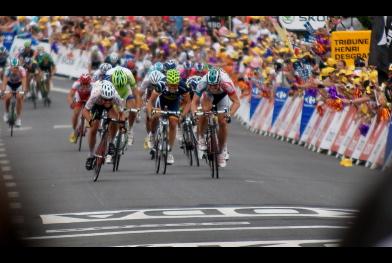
[(97, 75), (226, 85), (172, 100), (26, 54), (96, 99), (82, 93), (125, 91), (15, 78)]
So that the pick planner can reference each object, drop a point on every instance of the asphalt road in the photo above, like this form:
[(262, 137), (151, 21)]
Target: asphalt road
[(271, 193)]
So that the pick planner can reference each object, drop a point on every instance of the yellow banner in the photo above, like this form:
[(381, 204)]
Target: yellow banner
[(347, 45)]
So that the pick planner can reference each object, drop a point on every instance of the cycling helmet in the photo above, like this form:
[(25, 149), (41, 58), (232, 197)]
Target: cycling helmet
[(14, 62), (155, 76), (213, 76), (107, 90), (129, 64), (192, 82), (158, 66), (119, 78), (170, 64), (94, 48), (188, 65), (147, 64), (113, 58), (46, 56), (85, 79), (199, 66), (27, 44), (173, 77), (104, 67)]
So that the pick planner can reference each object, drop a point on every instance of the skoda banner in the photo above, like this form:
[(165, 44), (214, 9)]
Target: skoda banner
[(298, 22)]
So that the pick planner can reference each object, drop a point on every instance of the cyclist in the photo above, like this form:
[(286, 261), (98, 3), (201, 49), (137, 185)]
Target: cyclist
[(46, 64), (113, 59), (103, 97), (125, 84), (198, 70), (14, 79), (26, 51), (170, 64), (96, 59), (32, 70), (154, 79), (216, 88), (3, 60), (169, 95), (186, 71), (100, 73), (77, 97)]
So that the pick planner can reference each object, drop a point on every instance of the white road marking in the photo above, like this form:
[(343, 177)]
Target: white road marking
[(15, 205), (205, 212), (3, 155), (2, 149), (13, 194), (183, 230), (269, 243), (1, 143), (22, 128), (61, 126), (10, 184), (61, 90), (7, 177), (145, 226), (6, 168), (4, 162)]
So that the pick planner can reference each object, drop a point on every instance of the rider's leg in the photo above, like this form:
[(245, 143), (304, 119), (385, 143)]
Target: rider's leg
[(173, 122), (112, 126), (19, 105), (92, 136)]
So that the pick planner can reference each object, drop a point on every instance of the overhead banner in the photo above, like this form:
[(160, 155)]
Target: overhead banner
[(308, 108), (298, 22), (348, 45), (281, 96)]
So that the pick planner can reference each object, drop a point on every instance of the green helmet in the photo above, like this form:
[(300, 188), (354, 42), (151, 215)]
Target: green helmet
[(213, 76), (27, 43), (119, 78), (172, 76), (14, 62)]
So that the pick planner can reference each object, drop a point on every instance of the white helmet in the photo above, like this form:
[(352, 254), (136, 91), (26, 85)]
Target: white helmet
[(104, 67), (113, 58), (147, 64), (155, 76), (107, 90)]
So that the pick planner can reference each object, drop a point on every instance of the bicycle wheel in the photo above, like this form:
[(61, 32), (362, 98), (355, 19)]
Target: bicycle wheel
[(33, 88), (81, 132), (116, 157), (158, 153), (100, 156), (215, 151), (195, 150), (12, 117), (210, 157), (165, 150)]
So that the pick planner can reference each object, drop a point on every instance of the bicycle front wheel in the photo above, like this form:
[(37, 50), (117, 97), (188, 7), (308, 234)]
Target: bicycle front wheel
[(215, 151), (81, 133), (100, 157), (164, 150)]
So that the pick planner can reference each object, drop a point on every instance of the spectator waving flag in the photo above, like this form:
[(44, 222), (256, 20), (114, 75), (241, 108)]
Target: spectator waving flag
[(54, 47)]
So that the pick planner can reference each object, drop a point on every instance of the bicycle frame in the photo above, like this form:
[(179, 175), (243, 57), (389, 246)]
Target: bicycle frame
[(12, 112)]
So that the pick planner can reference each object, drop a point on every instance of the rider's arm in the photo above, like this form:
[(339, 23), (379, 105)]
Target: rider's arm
[(151, 101), (24, 83), (4, 84), (236, 103), (70, 96), (187, 100), (195, 102)]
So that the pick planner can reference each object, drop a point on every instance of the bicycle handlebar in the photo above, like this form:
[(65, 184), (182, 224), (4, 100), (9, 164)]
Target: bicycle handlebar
[(202, 113), (166, 112), (131, 110)]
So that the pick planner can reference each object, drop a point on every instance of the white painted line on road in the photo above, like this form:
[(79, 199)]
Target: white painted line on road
[(15, 205), (2, 149), (22, 128), (204, 212), (251, 181), (1, 143), (13, 194), (145, 226), (4, 162), (3, 155), (11, 184), (66, 91), (6, 168), (269, 243), (183, 230), (62, 126), (7, 177)]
